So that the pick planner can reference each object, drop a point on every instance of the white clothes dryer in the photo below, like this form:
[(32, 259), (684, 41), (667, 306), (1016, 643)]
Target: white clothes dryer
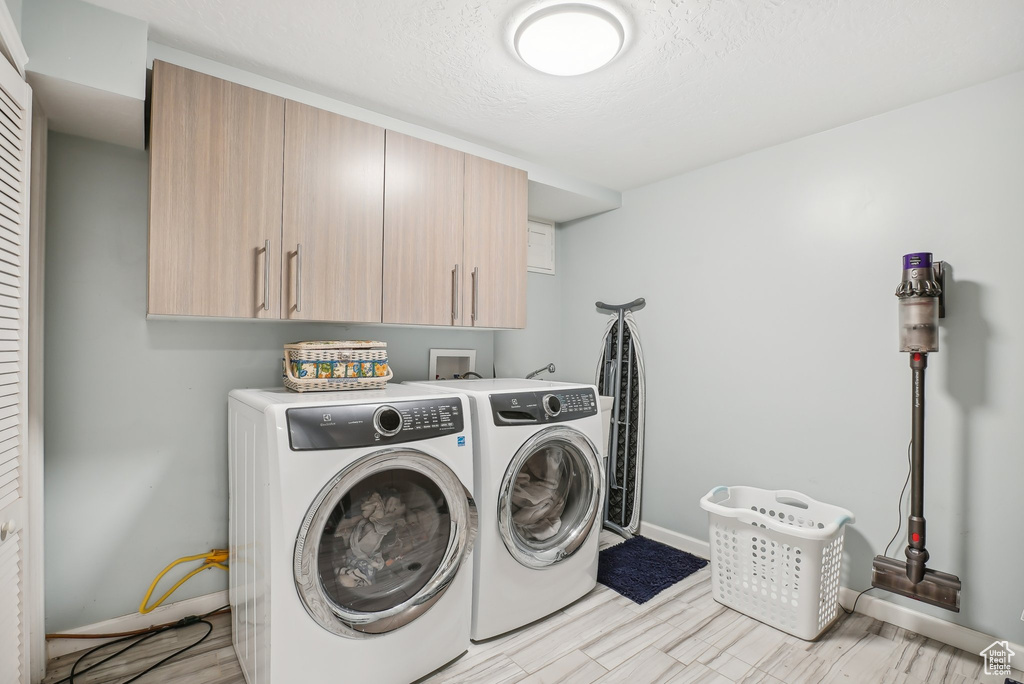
[(351, 525), (539, 491)]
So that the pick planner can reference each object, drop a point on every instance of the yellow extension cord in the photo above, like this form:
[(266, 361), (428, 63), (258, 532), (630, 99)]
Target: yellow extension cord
[(214, 559)]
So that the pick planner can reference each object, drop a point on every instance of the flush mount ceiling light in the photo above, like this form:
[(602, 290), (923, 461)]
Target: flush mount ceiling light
[(568, 40)]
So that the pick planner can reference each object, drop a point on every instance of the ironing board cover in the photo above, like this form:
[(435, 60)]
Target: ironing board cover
[(632, 406)]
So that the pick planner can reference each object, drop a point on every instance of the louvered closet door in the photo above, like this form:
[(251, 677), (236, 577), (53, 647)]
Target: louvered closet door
[(15, 116)]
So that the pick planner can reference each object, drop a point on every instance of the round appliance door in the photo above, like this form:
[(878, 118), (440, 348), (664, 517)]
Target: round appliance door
[(549, 499), (382, 542)]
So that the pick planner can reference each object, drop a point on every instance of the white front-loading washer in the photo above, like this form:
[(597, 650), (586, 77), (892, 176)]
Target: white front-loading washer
[(539, 492), (351, 524)]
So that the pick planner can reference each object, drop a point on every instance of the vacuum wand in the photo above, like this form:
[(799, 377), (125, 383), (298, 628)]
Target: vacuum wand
[(921, 306), (916, 553)]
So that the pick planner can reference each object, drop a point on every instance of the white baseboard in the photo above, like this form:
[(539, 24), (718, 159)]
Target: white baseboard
[(929, 626), (676, 540), (168, 612)]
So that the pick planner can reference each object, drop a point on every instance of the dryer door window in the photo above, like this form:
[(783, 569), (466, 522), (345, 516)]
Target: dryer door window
[(549, 499), (382, 542)]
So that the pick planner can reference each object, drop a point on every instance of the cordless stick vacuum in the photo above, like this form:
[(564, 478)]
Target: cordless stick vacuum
[(921, 304)]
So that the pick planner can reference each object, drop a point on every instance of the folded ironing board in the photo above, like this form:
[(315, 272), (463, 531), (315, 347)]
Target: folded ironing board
[(620, 375)]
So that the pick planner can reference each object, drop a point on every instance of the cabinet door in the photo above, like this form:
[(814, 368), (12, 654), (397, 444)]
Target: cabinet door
[(333, 216), (495, 244), (422, 232), (214, 197)]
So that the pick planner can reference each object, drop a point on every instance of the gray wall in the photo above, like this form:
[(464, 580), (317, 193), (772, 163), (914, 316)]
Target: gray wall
[(136, 438), (15, 8), (518, 352), (86, 45), (770, 331)]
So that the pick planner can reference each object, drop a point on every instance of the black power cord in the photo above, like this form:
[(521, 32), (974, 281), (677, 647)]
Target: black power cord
[(910, 469), (182, 623)]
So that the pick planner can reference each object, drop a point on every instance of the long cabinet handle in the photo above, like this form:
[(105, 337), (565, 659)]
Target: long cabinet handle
[(476, 294), (266, 275), (455, 293), (298, 277)]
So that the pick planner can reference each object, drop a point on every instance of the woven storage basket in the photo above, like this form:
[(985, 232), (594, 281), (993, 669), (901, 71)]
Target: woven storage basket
[(776, 556), (328, 366)]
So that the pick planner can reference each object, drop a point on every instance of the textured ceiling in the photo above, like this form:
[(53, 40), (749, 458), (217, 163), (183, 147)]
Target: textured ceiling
[(698, 81)]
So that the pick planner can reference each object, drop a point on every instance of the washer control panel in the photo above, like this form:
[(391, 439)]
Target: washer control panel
[(533, 408), (364, 425)]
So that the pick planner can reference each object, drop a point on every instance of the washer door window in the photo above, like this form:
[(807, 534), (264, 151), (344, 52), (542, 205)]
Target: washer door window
[(382, 542), (549, 498)]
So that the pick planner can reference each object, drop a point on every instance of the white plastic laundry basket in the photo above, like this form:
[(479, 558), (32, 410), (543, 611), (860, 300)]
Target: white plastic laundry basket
[(776, 556)]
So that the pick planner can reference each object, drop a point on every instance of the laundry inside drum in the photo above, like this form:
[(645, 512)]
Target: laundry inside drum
[(549, 497), (384, 540)]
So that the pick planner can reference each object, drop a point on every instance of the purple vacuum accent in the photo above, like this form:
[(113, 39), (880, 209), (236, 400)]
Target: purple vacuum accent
[(917, 260)]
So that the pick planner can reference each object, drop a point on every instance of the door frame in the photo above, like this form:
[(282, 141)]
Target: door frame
[(34, 451)]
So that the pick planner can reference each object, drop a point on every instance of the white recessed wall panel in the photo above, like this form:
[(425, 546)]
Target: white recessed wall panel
[(540, 247)]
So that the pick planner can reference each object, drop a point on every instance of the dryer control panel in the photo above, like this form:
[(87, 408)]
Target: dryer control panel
[(366, 425), (539, 408)]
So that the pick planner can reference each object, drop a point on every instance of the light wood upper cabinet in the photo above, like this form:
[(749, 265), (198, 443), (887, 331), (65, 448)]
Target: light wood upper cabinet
[(215, 186), (333, 224), (495, 244), (423, 242), (262, 208)]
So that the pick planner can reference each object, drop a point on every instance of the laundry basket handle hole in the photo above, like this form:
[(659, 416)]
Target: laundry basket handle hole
[(719, 494), (791, 501)]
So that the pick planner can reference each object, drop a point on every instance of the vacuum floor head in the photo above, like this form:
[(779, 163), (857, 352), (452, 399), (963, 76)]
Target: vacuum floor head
[(937, 588)]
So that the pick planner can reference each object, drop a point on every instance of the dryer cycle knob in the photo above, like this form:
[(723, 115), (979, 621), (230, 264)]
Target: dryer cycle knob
[(552, 405), (387, 421)]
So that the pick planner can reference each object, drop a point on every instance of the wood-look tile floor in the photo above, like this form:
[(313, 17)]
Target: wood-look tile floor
[(681, 636), (211, 662)]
